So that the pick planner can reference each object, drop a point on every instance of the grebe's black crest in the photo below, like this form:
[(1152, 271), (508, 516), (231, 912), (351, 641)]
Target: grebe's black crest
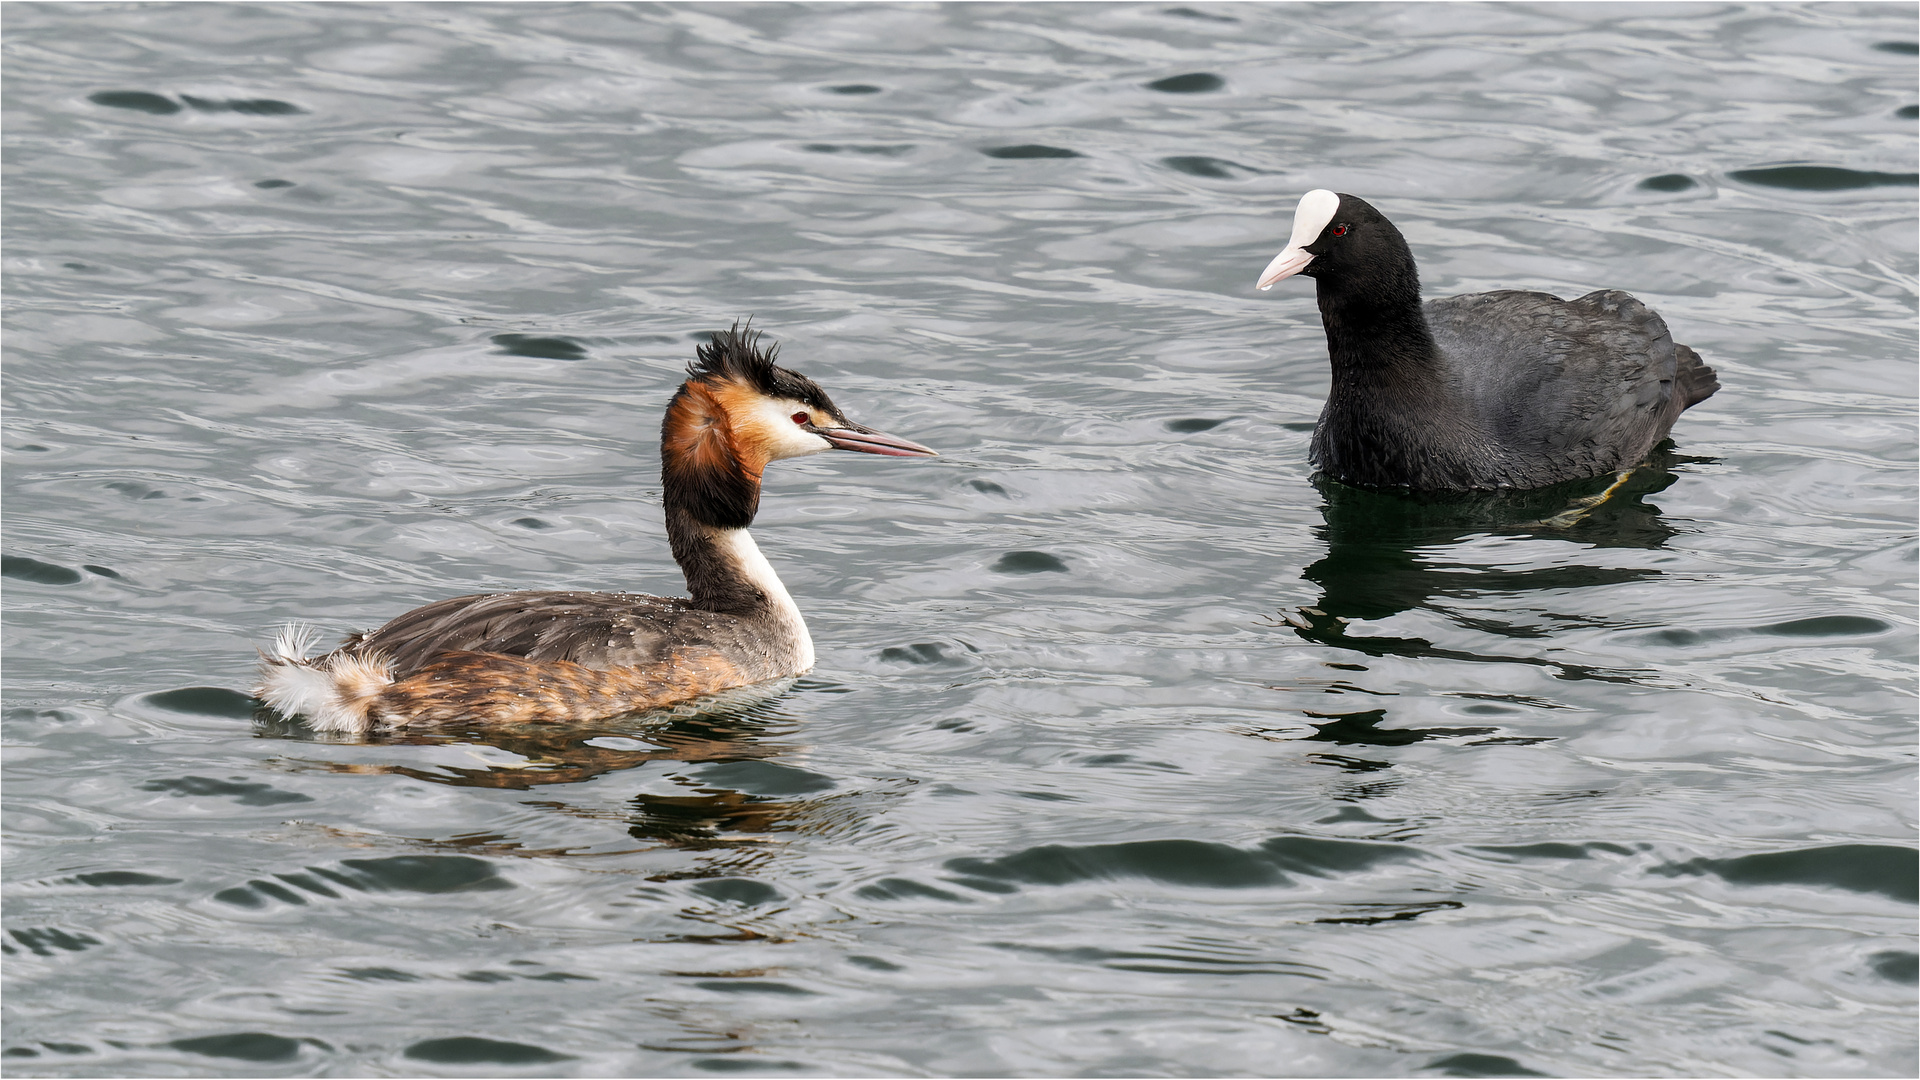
[(735, 354)]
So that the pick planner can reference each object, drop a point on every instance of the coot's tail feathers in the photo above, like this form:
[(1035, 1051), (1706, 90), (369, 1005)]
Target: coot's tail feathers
[(1694, 379)]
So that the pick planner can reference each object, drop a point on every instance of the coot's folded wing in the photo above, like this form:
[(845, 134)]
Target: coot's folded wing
[(1586, 385)]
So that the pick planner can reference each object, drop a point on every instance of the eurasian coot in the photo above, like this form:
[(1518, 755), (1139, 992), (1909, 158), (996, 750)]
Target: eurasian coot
[(1501, 389)]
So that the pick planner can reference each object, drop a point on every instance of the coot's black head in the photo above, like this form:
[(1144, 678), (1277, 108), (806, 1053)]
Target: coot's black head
[(1340, 240)]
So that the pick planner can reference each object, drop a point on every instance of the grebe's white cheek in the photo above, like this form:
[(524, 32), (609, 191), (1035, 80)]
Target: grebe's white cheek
[(773, 419)]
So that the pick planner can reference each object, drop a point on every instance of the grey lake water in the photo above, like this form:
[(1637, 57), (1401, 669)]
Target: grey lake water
[(1131, 749)]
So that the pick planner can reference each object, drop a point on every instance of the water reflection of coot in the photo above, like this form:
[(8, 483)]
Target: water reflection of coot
[(1387, 553)]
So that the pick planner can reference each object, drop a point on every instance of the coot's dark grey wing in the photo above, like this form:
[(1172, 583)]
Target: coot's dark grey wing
[(598, 630), (1697, 381), (1567, 388)]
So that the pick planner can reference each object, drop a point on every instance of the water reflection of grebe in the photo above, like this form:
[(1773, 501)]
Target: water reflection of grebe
[(505, 658), (730, 726), (730, 788)]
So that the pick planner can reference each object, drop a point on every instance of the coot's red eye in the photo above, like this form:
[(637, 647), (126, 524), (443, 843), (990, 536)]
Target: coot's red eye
[(1340, 230), (802, 419)]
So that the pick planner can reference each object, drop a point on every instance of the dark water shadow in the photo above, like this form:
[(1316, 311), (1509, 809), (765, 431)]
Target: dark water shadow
[(1387, 553)]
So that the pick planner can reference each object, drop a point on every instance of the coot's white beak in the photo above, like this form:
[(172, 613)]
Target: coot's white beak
[(1284, 265), (1310, 218)]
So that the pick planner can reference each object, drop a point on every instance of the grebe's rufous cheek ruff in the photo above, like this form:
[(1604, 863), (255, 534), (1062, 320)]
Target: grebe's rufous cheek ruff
[(1493, 390), (576, 656)]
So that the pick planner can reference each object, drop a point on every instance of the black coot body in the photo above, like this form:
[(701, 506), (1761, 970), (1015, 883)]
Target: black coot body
[(1493, 390)]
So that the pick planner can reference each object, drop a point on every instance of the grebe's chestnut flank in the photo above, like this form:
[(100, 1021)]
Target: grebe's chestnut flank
[(1494, 390), (575, 656)]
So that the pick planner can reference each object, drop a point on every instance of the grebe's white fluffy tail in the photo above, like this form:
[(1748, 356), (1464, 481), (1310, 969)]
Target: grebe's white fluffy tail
[(334, 692)]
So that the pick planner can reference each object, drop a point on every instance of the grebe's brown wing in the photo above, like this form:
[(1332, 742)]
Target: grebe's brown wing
[(595, 629)]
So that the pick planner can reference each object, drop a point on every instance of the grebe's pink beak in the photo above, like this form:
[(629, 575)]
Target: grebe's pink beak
[(868, 441)]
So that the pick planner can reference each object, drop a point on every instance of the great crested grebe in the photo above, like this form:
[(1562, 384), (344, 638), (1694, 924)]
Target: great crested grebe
[(575, 656), (1494, 390)]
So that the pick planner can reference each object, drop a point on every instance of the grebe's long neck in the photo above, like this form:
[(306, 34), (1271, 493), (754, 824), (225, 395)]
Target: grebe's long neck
[(727, 573), (711, 490), (724, 568)]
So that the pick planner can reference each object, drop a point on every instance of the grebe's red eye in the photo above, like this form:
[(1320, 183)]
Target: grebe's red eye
[(802, 419), (1341, 230)]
